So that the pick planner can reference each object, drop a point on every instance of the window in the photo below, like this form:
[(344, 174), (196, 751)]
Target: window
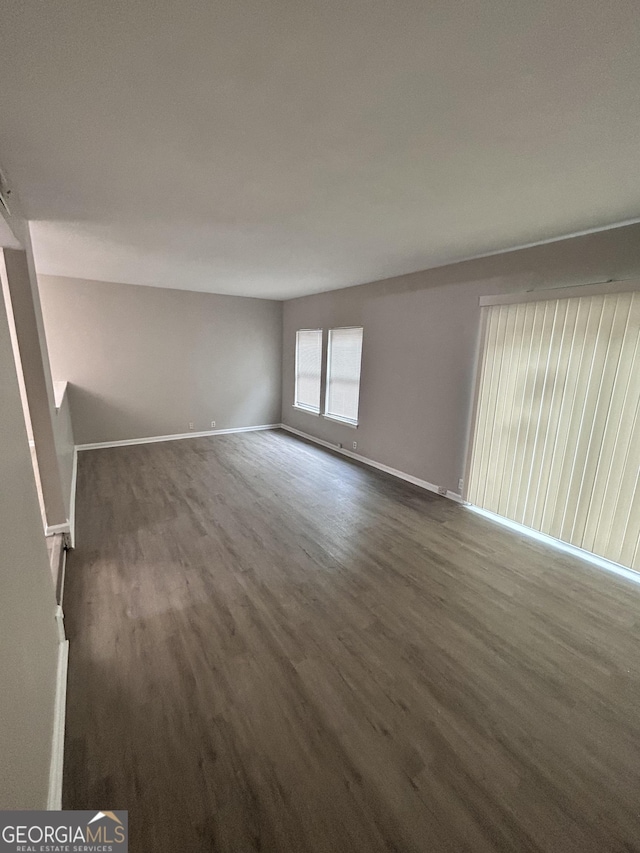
[(343, 374), (308, 368)]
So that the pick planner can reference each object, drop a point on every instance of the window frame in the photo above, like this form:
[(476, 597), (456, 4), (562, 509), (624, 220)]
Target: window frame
[(302, 407), (351, 422)]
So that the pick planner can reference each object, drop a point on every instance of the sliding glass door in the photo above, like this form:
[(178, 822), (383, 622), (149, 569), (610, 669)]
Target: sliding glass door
[(556, 441)]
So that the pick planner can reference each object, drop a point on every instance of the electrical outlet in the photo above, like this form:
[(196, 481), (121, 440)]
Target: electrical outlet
[(190, 424), (460, 484), (213, 424), (355, 445), (442, 491)]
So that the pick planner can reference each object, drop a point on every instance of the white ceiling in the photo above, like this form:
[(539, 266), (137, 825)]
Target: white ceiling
[(282, 147)]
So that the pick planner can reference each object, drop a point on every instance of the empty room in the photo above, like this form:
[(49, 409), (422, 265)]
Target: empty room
[(320, 416)]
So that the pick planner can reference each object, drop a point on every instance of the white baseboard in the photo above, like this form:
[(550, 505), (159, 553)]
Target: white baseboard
[(54, 798), (152, 439), (401, 475)]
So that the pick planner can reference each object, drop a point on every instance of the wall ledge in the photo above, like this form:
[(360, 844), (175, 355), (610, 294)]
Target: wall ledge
[(59, 392)]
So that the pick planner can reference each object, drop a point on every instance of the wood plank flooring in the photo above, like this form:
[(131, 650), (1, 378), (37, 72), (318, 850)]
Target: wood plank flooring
[(275, 649)]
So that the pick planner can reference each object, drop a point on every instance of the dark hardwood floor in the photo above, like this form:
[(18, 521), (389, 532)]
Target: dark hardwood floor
[(275, 649)]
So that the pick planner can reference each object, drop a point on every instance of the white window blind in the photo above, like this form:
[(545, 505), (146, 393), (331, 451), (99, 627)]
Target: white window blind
[(343, 374), (308, 369), (557, 434)]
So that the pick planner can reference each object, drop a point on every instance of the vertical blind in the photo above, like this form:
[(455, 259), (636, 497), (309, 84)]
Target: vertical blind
[(343, 374), (556, 441), (308, 368)]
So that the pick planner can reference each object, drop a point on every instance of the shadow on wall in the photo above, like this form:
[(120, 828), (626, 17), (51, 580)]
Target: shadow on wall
[(93, 413)]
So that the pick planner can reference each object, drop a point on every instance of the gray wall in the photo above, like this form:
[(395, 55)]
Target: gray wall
[(28, 635), (145, 361), (419, 347)]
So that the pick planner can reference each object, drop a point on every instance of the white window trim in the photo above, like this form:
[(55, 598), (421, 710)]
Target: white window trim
[(346, 421)]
